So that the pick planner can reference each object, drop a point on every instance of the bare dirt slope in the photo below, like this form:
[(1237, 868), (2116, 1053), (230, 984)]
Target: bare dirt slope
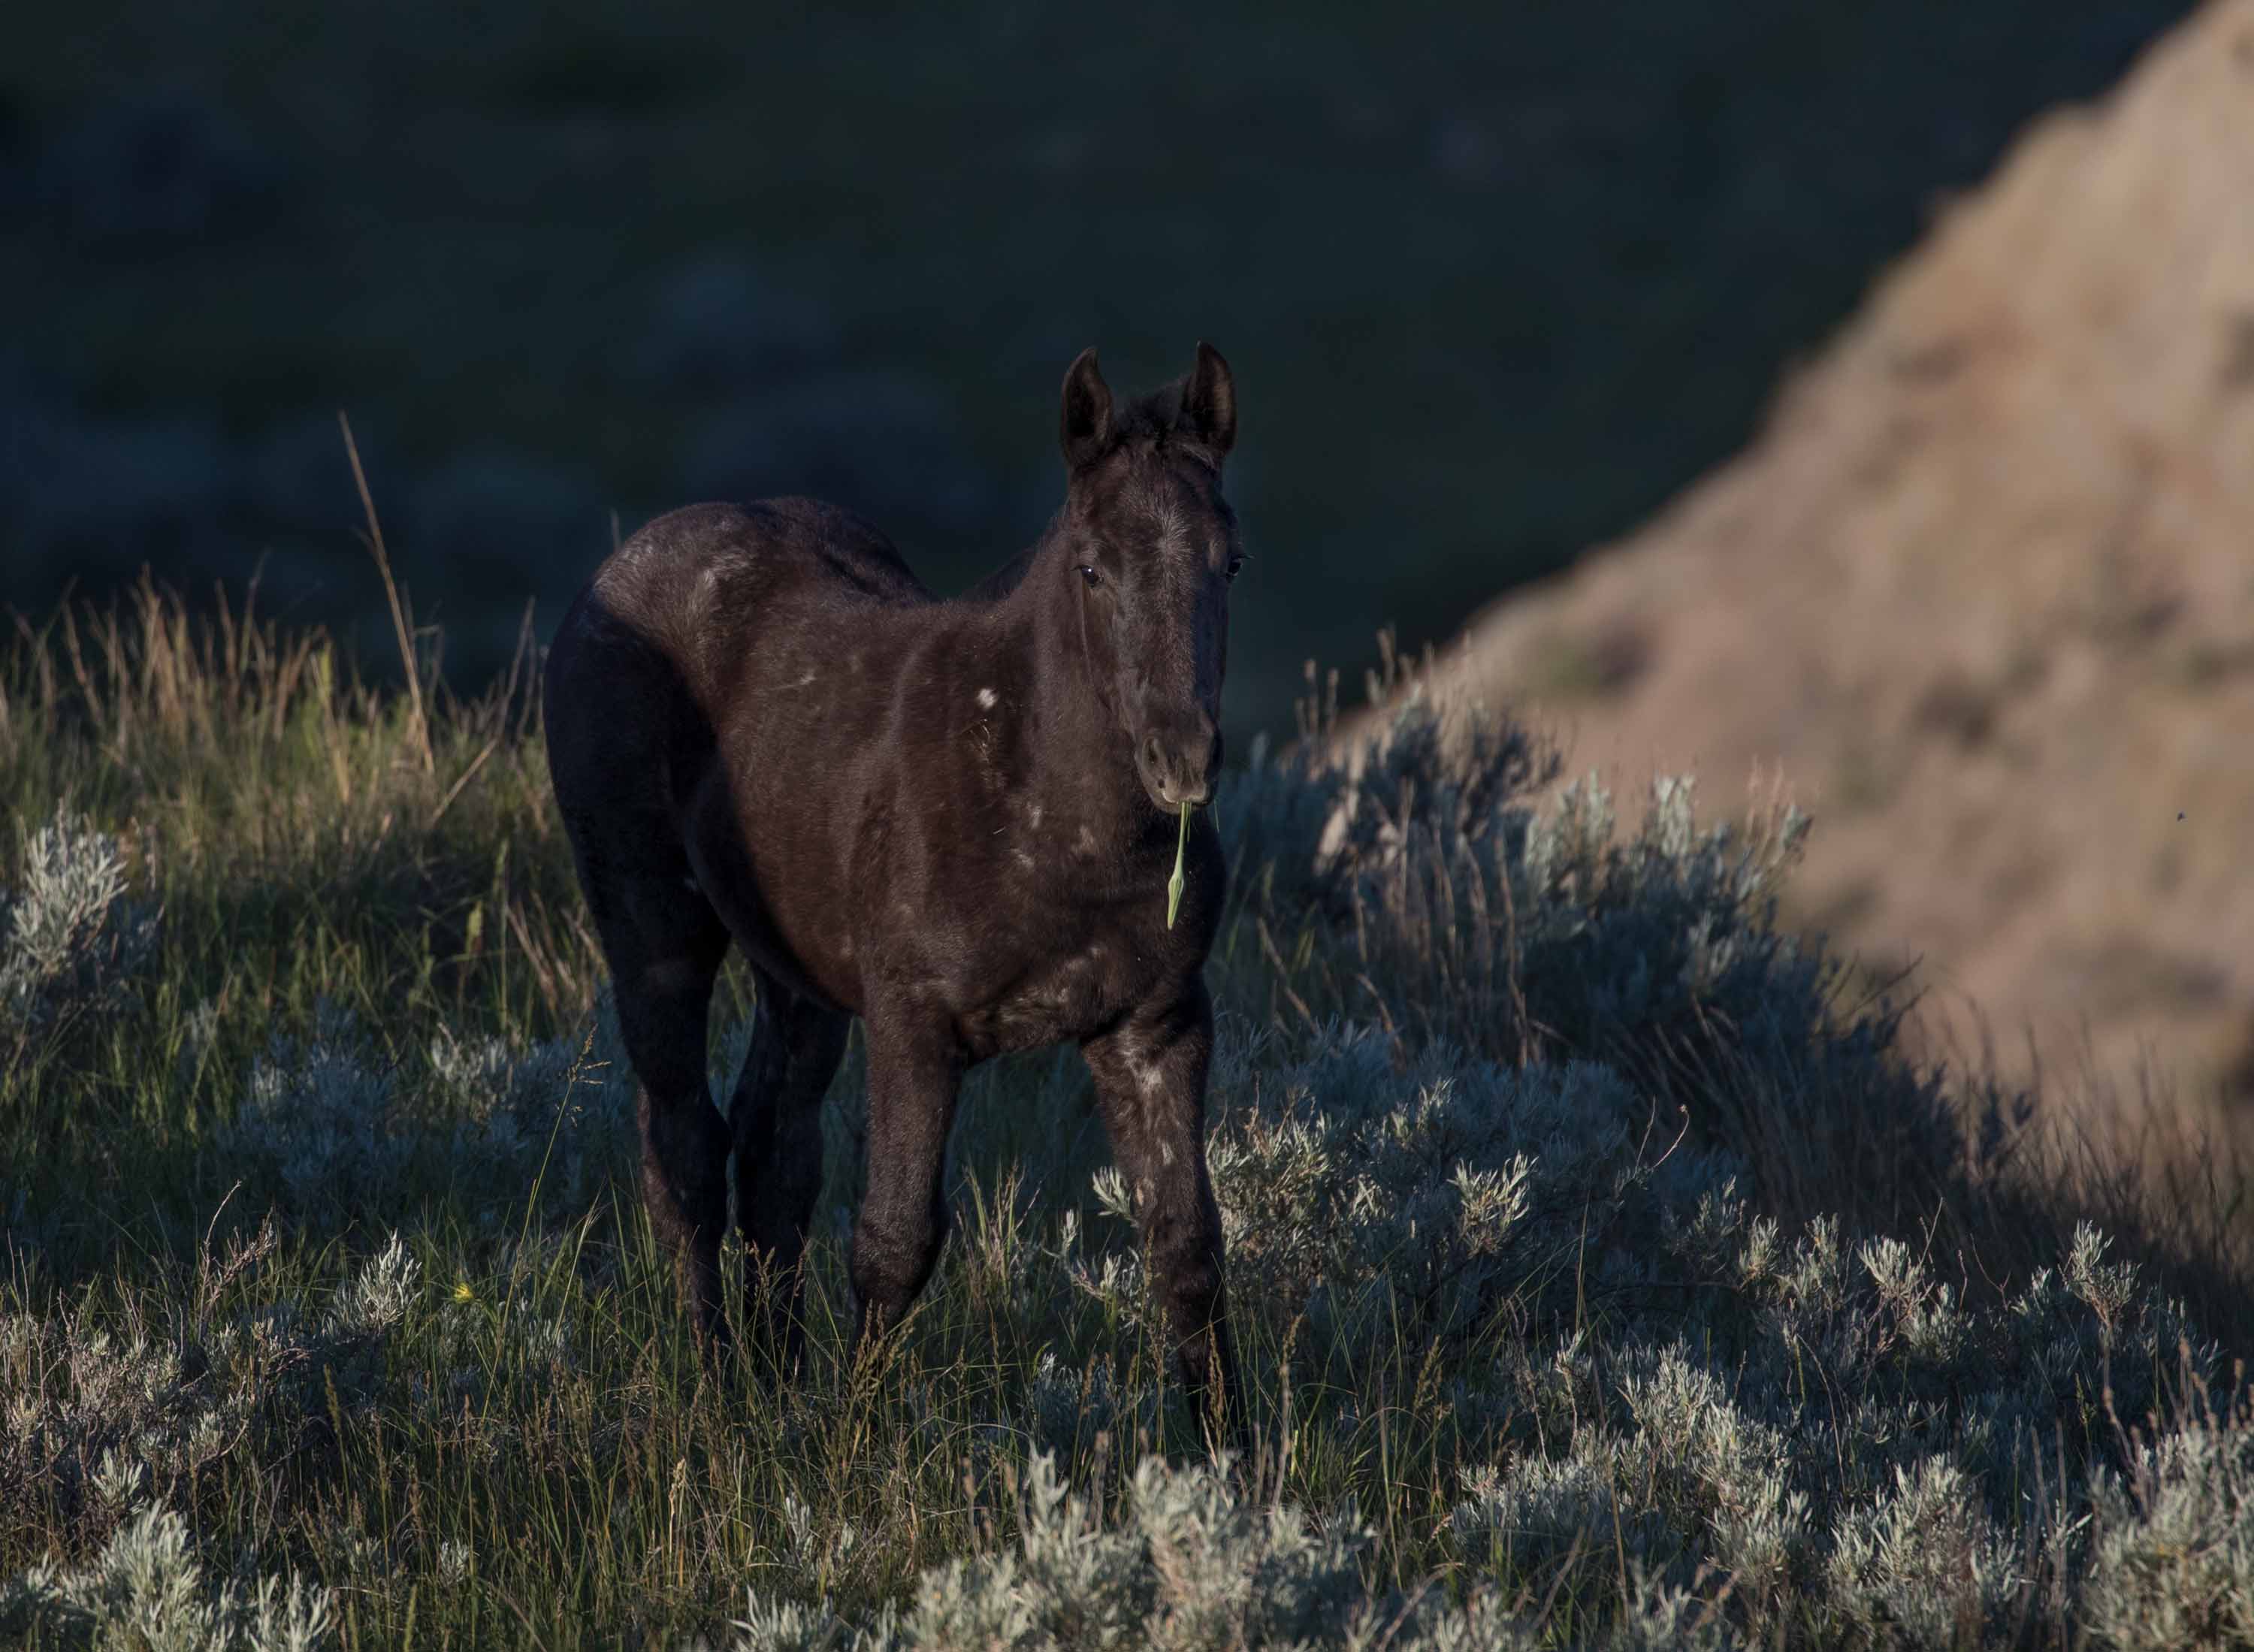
[(1983, 589)]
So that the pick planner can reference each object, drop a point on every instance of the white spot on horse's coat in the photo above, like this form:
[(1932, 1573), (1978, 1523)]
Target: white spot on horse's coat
[(1033, 815), (1085, 844), (1166, 1153), (986, 698), (804, 681), (1024, 860)]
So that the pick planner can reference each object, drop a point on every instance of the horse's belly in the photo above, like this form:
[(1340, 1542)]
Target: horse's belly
[(1063, 1002), (728, 871)]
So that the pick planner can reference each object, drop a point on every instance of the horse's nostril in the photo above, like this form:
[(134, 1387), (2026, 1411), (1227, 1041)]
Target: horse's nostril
[(1154, 754)]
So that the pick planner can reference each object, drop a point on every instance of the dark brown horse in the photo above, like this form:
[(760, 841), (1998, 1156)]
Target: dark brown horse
[(954, 819)]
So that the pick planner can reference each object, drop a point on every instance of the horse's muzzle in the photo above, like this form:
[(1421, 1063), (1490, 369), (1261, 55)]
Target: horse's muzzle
[(1179, 762)]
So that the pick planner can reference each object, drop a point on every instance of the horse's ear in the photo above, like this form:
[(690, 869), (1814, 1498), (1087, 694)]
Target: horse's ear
[(1209, 401), (1085, 425)]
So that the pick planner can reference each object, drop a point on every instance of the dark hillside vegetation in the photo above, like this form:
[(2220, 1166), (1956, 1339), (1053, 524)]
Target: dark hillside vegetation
[(1605, 1274), (1497, 280)]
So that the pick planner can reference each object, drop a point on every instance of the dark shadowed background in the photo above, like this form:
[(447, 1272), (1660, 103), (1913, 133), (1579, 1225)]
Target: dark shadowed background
[(1495, 280)]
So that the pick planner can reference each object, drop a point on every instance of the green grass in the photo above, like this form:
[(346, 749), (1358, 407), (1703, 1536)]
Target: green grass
[(1603, 1272)]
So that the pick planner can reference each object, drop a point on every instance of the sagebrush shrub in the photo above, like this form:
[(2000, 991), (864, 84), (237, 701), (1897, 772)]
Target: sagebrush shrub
[(2172, 1560), (147, 1591), (1404, 1206), (101, 1419), (333, 1132), (1193, 1566), (70, 942), (1457, 906), (1924, 1565), (1190, 1568)]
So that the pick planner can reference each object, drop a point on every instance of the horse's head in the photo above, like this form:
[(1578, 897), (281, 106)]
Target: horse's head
[(1153, 548)]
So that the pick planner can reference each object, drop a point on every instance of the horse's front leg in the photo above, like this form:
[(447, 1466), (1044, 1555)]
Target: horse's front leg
[(1150, 1082), (915, 1068)]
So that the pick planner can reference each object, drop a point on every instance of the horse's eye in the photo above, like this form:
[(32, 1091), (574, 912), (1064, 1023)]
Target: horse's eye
[(1235, 565), (1093, 578)]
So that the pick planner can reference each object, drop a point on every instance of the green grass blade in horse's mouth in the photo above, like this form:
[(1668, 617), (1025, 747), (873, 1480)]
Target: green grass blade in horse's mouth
[(1175, 883)]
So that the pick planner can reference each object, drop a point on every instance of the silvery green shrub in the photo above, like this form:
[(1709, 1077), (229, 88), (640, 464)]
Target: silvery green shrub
[(104, 1417), (2172, 1560), (1193, 1566), (1556, 1521), (1408, 1204), (147, 1591), (1923, 1565), (332, 1132), (321, 1127), (1819, 1422), (560, 1110), (1190, 1566), (70, 942), (1459, 907), (110, 1417), (1423, 781)]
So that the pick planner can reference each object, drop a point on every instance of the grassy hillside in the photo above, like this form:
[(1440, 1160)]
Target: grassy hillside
[(1605, 1274)]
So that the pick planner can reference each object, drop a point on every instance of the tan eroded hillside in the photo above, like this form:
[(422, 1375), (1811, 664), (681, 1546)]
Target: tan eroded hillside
[(1983, 589)]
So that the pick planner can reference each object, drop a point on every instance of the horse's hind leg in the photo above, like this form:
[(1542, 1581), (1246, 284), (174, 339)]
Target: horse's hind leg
[(776, 1116), (664, 944)]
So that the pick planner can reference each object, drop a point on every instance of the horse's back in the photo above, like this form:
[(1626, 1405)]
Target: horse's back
[(695, 587), (669, 583), (698, 633)]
